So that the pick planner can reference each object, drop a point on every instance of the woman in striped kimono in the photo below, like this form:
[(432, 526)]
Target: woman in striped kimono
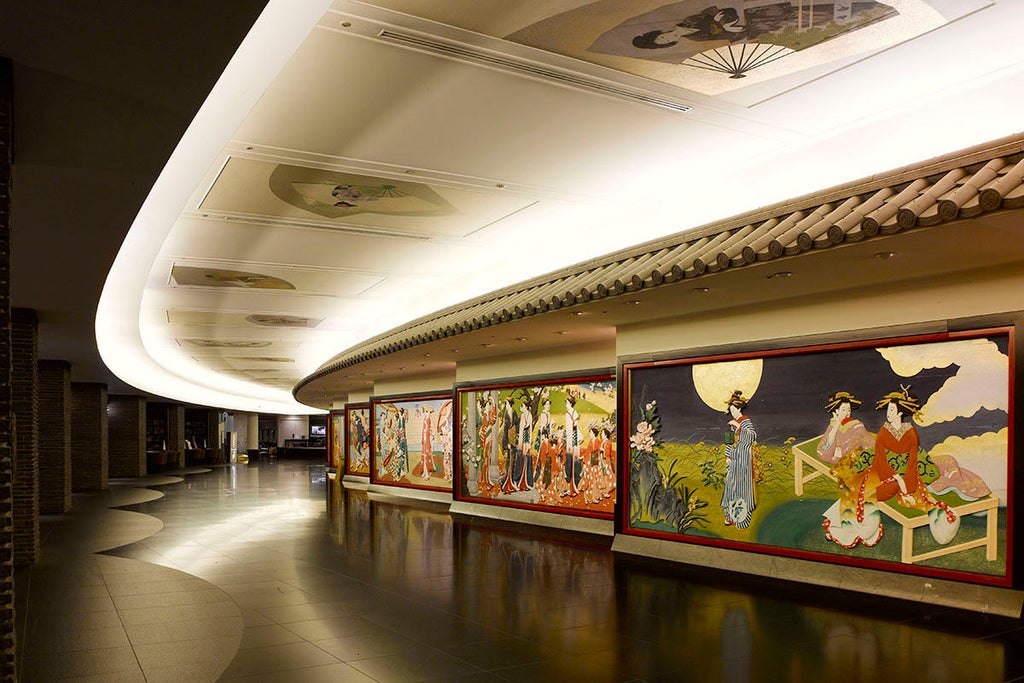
[(738, 501)]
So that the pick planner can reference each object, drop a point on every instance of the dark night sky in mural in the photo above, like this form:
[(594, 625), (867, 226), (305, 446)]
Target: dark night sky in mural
[(790, 399)]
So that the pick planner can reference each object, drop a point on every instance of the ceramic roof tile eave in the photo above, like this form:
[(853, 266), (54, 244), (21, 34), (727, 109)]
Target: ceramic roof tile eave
[(883, 204)]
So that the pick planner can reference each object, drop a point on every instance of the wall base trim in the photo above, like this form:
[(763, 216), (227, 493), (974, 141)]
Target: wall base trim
[(376, 491), (586, 525), (357, 483), (995, 600)]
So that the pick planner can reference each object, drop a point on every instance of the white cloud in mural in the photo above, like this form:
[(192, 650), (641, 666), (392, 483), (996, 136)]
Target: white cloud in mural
[(980, 383), (985, 455)]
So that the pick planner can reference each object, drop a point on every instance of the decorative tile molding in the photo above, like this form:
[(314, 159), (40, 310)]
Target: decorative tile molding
[(963, 185)]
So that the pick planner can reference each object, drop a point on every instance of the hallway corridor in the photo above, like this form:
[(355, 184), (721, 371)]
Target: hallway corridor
[(253, 577)]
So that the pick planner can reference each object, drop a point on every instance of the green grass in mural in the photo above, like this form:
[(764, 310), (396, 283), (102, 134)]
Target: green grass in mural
[(784, 520)]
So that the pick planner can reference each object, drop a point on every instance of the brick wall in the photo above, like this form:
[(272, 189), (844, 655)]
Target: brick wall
[(54, 437), (126, 420), (25, 408), (7, 639), (88, 436)]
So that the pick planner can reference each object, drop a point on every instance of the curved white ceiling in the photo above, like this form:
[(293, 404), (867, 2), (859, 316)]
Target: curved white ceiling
[(338, 182)]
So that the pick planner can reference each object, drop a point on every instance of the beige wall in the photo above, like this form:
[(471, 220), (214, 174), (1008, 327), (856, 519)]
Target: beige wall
[(292, 427), (562, 360), (414, 385), (915, 307)]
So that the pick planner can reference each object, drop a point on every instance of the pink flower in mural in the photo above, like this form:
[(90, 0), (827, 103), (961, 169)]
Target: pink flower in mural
[(643, 439)]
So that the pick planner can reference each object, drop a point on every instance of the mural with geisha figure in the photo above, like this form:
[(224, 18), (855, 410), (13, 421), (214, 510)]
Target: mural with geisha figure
[(892, 454), (336, 439), (541, 444), (357, 440), (411, 444)]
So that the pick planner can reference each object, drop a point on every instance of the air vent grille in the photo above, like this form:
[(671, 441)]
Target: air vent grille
[(473, 55)]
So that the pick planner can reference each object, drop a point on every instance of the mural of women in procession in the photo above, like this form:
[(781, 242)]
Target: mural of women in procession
[(412, 441), (357, 440), (893, 453), (540, 444)]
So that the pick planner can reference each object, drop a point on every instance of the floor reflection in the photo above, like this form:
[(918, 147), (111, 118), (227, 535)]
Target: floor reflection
[(360, 588), (580, 614)]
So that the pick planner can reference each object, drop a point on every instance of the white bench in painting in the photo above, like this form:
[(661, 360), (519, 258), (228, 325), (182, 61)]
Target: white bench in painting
[(804, 457)]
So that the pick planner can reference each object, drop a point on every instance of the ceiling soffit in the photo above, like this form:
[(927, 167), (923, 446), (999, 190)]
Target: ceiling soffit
[(954, 187)]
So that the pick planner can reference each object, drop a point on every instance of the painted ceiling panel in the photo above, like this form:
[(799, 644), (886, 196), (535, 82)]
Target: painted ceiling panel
[(237, 241), (201, 346), (709, 47), (330, 282), (406, 120), (228, 319), (248, 187)]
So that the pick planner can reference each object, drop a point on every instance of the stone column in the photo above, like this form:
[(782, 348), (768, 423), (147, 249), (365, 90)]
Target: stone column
[(8, 653), (252, 436), (25, 408), (176, 434), (89, 438), (54, 437), (126, 427)]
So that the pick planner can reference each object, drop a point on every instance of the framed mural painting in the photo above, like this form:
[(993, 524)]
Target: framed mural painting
[(411, 444), (545, 444), (336, 439), (357, 439), (893, 454)]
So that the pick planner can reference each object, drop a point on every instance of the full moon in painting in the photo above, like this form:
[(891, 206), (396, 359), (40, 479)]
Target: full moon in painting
[(715, 382)]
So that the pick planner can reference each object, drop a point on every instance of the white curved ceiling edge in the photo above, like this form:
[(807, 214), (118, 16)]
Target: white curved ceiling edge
[(886, 128), (282, 26)]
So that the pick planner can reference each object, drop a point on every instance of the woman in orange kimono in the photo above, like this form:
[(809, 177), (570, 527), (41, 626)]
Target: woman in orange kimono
[(882, 482), (589, 453)]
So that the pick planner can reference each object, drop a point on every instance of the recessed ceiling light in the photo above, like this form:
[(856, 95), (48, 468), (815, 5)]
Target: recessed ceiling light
[(520, 339), (631, 302), (487, 345), (346, 24), (779, 275), (454, 350), (578, 314), (401, 367), (702, 290), (885, 255), (561, 332)]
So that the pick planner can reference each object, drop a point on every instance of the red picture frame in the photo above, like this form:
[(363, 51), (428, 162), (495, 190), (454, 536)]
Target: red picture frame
[(954, 390)]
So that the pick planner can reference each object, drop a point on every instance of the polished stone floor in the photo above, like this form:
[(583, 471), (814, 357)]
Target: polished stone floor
[(247, 573)]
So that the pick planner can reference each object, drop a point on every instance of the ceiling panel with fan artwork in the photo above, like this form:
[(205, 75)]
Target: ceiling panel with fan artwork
[(281, 192), (708, 46), (264, 277)]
